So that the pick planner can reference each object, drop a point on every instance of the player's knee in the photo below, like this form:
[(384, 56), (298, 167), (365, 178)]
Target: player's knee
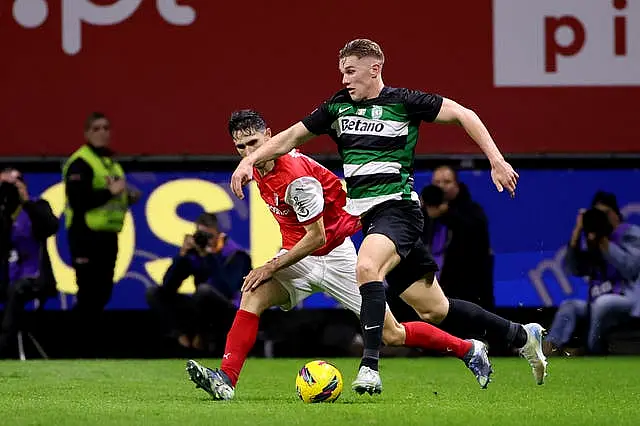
[(367, 271), (255, 302)]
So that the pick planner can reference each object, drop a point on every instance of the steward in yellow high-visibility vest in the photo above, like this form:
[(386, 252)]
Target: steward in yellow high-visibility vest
[(97, 199)]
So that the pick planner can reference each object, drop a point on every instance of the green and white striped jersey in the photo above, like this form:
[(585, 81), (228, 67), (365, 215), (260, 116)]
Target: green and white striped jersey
[(376, 139)]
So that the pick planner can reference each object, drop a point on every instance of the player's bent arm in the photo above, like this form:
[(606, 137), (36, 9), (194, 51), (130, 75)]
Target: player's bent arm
[(312, 241), (281, 144), (452, 112)]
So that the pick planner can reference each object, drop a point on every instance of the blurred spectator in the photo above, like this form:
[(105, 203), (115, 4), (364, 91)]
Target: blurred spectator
[(457, 233), (606, 250), (97, 201), (218, 266), (25, 269)]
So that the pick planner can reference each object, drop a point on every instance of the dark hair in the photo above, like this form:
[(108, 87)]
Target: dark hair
[(247, 122), (88, 122), (608, 199), (208, 219), (432, 196), (362, 48)]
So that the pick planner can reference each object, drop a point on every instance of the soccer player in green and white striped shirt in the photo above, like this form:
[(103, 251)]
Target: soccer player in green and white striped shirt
[(376, 130)]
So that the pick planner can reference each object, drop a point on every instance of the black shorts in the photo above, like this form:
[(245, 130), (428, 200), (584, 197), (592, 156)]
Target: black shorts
[(401, 222)]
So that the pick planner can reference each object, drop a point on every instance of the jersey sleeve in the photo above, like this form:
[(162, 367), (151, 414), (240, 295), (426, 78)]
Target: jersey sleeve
[(320, 120), (422, 106), (306, 197)]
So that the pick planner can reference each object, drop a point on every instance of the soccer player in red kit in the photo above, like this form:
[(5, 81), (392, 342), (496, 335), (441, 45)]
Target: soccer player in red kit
[(317, 255)]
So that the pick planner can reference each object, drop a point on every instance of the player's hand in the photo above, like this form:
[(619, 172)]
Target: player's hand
[(241, 176), (504, 177), (258, 276)]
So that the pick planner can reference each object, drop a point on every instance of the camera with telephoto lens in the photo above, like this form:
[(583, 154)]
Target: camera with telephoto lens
[(9, 198), (596, 221), (202, 238)]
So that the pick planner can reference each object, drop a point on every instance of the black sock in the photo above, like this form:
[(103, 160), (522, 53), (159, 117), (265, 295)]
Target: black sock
[(483, 323), (372, 320)]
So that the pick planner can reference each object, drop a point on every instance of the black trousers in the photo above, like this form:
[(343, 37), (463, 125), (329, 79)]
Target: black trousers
[(18, 294), (207, 312), (94, 260)]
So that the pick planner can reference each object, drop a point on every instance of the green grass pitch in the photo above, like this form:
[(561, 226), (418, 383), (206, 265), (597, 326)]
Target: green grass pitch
[(417, 391)]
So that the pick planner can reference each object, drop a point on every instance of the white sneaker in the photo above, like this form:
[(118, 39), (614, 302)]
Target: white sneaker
[(368, 380), (532, 351)]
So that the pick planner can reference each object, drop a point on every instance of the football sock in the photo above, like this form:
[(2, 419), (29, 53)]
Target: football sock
[(426, 336), (240, 340), (463, 314), (372, 319)]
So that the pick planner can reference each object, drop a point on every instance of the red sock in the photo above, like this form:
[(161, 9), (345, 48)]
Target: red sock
[(426, 336), (240, 340)]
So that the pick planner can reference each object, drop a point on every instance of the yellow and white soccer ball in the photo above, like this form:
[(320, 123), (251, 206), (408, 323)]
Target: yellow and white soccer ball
[(319, 381)]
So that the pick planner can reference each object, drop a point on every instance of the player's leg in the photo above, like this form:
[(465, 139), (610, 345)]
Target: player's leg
[(418, 334), (244, 330), (376, 257), (220, 383), (339, 282), (288, 287), (391, 230), (425, 296)]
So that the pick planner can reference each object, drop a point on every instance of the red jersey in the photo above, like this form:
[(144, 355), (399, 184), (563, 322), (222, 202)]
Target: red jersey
[(298, 191)]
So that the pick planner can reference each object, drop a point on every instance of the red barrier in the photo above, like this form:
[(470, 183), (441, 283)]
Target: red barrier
[(169, 72)]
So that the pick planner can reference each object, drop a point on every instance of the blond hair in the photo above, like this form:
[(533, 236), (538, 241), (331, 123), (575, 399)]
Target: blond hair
[(362, 48)]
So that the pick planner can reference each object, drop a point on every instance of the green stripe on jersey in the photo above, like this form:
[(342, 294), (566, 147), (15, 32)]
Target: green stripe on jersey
[(360, 192), (362, 156), (371, 129)]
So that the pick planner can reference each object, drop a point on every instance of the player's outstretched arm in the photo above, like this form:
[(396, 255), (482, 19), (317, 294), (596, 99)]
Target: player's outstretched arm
[(502, 173), (312, 241), (281, 143), (277, 146)]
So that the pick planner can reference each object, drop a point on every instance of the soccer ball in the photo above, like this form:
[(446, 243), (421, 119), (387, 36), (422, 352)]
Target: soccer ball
[(319, 381)]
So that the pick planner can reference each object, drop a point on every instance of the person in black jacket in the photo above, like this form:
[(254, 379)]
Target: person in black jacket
[(457, 231), (25, 267), (218, 266), (97, 200)]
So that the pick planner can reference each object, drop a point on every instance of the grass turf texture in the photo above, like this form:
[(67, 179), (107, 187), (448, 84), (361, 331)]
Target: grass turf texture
[(425, 391)]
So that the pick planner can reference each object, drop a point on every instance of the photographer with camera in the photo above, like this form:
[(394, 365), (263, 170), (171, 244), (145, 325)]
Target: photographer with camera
[(25, 269), (218, 266), (97, 200), (606, 250)]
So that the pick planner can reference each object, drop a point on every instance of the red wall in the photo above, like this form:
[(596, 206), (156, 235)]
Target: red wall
[(169, 89)]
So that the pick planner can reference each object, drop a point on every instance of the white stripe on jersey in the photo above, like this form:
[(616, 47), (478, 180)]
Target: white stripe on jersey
[(374, 167)]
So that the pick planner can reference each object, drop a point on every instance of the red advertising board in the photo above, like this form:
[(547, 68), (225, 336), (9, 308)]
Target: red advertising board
[(169, 72)]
